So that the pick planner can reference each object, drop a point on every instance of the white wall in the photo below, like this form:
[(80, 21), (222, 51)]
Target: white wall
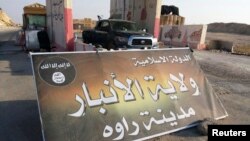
[(192, 35), (55, 21)]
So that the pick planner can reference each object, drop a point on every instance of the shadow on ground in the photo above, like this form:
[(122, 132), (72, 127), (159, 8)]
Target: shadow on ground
[(18, 61), (20, 121)]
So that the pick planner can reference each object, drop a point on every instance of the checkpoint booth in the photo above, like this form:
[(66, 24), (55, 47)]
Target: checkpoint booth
[(34, 20), (34, 16)]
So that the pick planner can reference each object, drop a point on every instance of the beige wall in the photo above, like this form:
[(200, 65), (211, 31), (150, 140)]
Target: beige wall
[(192, 35), (86, 23), (144, 12)]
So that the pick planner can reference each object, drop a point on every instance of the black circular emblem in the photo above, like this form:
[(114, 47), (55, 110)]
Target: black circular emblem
[(57, 71)]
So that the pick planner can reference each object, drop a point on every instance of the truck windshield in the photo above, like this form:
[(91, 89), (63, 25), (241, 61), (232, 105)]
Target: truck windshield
[(124, 26)]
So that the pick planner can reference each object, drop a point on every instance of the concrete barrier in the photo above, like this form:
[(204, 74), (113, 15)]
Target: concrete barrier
[(184, 35), (80, 46), (243, 49), (20, 39), (219, 45), (171, 20)]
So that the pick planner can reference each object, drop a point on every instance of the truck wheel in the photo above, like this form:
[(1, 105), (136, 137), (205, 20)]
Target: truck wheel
[(85, 41), (111, 45)]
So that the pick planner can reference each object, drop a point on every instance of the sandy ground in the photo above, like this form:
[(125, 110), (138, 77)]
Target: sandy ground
[(228, 37), (230, 77), (19, 120)]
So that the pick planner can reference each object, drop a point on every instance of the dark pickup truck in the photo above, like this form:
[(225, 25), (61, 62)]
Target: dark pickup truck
[(118, 34)]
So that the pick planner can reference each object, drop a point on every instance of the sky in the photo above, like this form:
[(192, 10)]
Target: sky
[(194, 11)]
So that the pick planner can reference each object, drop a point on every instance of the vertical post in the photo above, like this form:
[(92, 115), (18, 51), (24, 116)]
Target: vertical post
[(157, 19), (49, 21), (124, 10), (60, 24), (68, 20)]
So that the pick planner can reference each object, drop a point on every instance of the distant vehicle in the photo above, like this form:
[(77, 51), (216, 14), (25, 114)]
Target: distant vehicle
[(118, 34)]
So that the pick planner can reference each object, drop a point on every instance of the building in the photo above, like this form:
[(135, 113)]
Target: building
[(5, 19), (34, 16), (81, 24)]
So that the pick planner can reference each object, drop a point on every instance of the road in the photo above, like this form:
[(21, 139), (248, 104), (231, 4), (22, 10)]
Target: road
[(19, 117), (8, 34), (230, 77)]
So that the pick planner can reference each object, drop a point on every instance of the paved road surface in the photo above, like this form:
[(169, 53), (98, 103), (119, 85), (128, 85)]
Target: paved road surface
[(19, 118)]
